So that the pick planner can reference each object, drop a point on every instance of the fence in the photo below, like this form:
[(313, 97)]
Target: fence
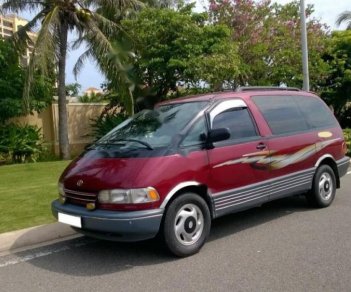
[(79, 124)]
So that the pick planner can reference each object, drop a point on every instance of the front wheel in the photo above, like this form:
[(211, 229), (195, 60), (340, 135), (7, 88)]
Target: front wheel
[(187, 224), (323, 188)]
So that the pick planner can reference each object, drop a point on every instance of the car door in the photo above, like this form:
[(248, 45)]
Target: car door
[(237, 173), (292, 145)]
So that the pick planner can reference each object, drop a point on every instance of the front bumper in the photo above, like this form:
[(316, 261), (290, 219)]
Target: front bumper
[(113, 225)]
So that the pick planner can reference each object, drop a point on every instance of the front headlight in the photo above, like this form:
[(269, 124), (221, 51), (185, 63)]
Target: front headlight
[(61, 191), (133, 196)]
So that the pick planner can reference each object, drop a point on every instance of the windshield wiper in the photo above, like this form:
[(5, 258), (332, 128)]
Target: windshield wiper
[(92, 146), (147, 145), (118, 142)]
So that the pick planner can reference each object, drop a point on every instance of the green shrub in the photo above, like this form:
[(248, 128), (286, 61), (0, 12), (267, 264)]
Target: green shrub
[(93, 97), (347, 135), (47, 154), (19, 143), (106, 122)]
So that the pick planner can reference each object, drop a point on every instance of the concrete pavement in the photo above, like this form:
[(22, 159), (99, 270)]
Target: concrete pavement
[(282, 246)]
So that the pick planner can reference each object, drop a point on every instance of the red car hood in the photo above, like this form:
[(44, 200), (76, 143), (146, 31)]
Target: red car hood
[(108, 173)]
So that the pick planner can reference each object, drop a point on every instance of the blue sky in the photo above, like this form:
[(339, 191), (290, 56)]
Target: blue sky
[(326, 11)]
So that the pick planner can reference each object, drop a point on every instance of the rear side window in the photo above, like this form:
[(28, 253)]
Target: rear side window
[(281, 113), (238, 121), (316, 113)]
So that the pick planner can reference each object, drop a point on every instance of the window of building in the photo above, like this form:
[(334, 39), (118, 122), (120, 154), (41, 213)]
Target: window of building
[(7, 23), (8, 32)]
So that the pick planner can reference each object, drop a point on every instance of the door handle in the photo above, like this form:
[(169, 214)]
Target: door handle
[(261, 146)]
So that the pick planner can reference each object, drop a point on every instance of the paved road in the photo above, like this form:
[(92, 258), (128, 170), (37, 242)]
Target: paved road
[(282, 246)]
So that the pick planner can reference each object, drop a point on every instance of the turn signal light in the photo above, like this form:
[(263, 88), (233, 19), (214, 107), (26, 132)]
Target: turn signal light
[(153, 194), (90, 206)]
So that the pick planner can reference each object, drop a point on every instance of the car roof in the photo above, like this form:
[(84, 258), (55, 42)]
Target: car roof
[(244, 95)]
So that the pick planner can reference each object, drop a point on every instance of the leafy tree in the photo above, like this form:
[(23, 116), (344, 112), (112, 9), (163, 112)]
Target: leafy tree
[(57, 19), (12, 78), (174, 48), (336, 90), (268, 36), (219, 63), (73, 89)]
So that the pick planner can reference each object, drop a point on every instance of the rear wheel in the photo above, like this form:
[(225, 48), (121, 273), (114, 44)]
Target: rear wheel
[(187, 224), (324, 187)]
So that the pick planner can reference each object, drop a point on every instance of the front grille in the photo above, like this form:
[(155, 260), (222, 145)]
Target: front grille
[(80, 198)]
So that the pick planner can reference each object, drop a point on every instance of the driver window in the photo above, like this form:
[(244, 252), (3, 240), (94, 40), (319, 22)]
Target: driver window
[(193, 137), (238, 121)]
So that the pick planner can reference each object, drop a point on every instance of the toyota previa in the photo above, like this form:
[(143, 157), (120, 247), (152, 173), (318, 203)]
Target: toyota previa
[(171, 170)]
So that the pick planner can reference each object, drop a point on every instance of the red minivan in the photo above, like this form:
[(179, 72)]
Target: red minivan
[(173, 169)]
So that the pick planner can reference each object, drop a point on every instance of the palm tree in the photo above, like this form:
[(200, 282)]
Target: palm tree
[(344, 17), (56, 19)]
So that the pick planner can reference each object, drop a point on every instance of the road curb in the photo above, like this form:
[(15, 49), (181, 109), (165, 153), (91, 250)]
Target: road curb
[(34, 235)]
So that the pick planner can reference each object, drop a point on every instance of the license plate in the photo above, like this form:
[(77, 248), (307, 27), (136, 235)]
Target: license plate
[(70, 220)]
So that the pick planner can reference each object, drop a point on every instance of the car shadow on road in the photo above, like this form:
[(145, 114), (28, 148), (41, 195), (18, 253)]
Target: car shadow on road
[(236, 222), (85, 257)]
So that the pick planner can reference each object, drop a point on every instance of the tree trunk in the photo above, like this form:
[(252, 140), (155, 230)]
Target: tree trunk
[(63, 125)]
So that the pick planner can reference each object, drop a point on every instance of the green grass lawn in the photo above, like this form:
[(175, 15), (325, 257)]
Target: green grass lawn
[(26, 191)]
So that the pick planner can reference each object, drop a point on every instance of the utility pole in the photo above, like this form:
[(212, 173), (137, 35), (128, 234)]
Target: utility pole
[(304, 48)]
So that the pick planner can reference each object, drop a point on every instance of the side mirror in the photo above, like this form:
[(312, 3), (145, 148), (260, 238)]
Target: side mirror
[(217, 135)]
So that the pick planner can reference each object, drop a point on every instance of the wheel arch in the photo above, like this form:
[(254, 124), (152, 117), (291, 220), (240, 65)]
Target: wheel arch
[(329, 160), (189, 187)]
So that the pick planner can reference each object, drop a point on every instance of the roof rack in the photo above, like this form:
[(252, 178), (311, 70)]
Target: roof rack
[(265, 88)]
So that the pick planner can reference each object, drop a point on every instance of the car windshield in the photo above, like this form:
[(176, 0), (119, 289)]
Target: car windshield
[(152, 128)]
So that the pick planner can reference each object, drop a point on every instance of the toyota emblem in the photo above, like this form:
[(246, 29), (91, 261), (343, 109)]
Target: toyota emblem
[(80, 183)]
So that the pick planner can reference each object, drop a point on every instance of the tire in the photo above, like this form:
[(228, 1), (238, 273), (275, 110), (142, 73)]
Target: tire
[(187, 225), (323, 187)]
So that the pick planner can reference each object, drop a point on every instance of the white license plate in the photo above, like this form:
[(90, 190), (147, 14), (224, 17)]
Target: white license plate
[(70, 220)]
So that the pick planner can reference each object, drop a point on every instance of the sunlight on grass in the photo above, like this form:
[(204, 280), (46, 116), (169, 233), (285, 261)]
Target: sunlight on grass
[(26, 191)]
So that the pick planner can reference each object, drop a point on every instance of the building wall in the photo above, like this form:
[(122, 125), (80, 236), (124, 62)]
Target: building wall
[(9, 24), (79, 124)]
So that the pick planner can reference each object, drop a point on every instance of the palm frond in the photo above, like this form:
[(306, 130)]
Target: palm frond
[(21, 5), (44, 51), (113, 61), (80, 62), (117, 5), (21, 38), (107, 26), (344, 17), (99, 47), (97, 39), (77, 43), (47, 39)]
